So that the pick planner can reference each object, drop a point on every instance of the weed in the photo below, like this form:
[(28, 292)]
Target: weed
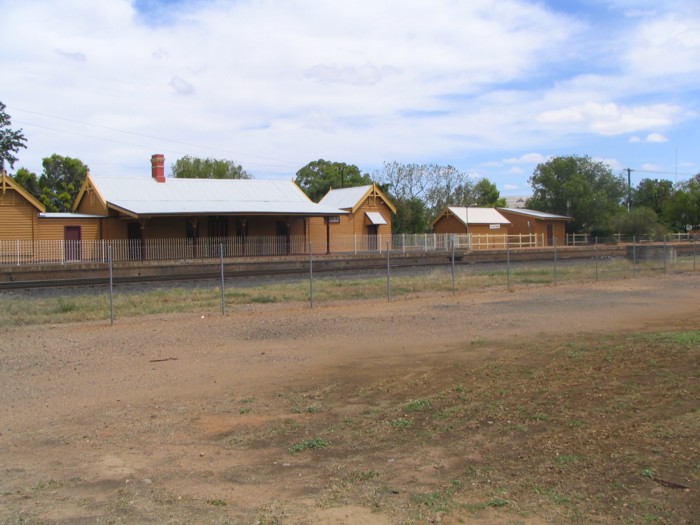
[(217, 502), (308, 444), (648, 472), (400, 423), (565, 459), (417, 405)]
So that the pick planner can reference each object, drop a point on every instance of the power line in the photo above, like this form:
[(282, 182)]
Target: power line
[(275, 162)]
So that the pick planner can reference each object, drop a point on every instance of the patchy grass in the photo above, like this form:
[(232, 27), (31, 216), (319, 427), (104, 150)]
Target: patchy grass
[(563, 438)]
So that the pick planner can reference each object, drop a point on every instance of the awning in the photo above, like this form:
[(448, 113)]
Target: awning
[(375, 217)]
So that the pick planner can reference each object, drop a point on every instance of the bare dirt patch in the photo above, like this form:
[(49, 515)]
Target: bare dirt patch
[(541, 406)]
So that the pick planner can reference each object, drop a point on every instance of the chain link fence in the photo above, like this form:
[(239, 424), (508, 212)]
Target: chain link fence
[(114, 290)]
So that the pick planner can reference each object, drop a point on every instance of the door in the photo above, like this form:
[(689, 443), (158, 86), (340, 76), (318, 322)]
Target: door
[(372, 237), (283, 240), (71, 242), (550, 235), (133, 234)]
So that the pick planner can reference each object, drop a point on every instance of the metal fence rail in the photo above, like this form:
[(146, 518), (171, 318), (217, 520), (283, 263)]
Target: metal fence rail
[(23, 252)]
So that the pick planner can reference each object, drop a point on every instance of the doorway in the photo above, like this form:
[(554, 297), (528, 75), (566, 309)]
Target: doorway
[(72, 238)]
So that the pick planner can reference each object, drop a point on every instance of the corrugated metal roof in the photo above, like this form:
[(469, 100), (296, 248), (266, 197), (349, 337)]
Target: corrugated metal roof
[(344, 198), (145, 196), (375, 217), (536, 214), (478, 215)]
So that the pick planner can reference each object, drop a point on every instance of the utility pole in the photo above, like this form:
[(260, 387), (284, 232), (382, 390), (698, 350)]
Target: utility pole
[(629, 188)]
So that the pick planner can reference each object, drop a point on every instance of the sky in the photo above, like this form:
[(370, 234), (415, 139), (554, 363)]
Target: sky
[(492, 88)]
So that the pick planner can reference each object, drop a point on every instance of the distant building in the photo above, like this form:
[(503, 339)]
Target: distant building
[(516, 202)]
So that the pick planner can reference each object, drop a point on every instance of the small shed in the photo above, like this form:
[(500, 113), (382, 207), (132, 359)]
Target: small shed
[(364, 226), (471, 220), (551, 227)]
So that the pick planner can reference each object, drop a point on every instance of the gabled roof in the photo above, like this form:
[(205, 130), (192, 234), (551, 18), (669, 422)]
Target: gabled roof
[(144, 196), (352, 198), (536, 214), (474, 215), (7, 182)]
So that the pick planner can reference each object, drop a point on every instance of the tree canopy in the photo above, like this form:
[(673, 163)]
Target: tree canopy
[(581, 188), (207, 168), (682, 209), (11, 141), (421, 191), (59, 183), (319, 176)]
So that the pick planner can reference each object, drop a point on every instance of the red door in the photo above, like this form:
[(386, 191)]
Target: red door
[(71, 241)]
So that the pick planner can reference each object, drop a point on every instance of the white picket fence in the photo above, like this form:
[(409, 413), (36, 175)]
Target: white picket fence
[(21, 252)]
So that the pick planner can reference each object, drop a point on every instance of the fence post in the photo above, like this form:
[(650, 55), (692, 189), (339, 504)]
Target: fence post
[(693, 252), (19, 262), (508, 263), (596, 258), (223, 289), (453, 264), (311, 277), (111, 286), (634, 255), (388, 274), (665, 257), (554, 243)]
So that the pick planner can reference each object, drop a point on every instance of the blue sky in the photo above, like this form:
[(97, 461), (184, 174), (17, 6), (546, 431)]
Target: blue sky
[(492, 88)]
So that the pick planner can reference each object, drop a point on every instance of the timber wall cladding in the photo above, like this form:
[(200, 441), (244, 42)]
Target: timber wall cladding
[(17, 216)]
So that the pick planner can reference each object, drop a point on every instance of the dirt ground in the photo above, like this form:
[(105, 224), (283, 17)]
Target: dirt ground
[(545, 405)]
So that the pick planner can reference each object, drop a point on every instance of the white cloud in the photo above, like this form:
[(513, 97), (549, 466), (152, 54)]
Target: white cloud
[(528, 158), (656, 137), (275, 85), (610, 118)]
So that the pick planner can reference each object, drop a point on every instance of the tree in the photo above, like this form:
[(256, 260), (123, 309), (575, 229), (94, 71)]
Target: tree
[(29, 181), (682, 209), (320, 176), (652, 193), (638, 221), (10, 140), (411, 216), (60, 182), (487, 195), (197, 168), (581, 188), (447, 186)]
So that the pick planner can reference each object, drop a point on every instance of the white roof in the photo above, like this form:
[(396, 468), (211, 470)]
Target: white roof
[(534, 213), (63, 215), (478, 215), (344, 198), (146, 196)]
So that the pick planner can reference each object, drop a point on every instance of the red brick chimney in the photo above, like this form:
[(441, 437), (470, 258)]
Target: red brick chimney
[(158, 167)]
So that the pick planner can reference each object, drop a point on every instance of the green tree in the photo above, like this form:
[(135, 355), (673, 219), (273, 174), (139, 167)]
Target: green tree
[(60, 182), (11, 141), (208, 168), (581, 188), (682, 209), (411, 216), (486, 194), (652, 193), (29, 181), (638, 221), (320, 176)]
